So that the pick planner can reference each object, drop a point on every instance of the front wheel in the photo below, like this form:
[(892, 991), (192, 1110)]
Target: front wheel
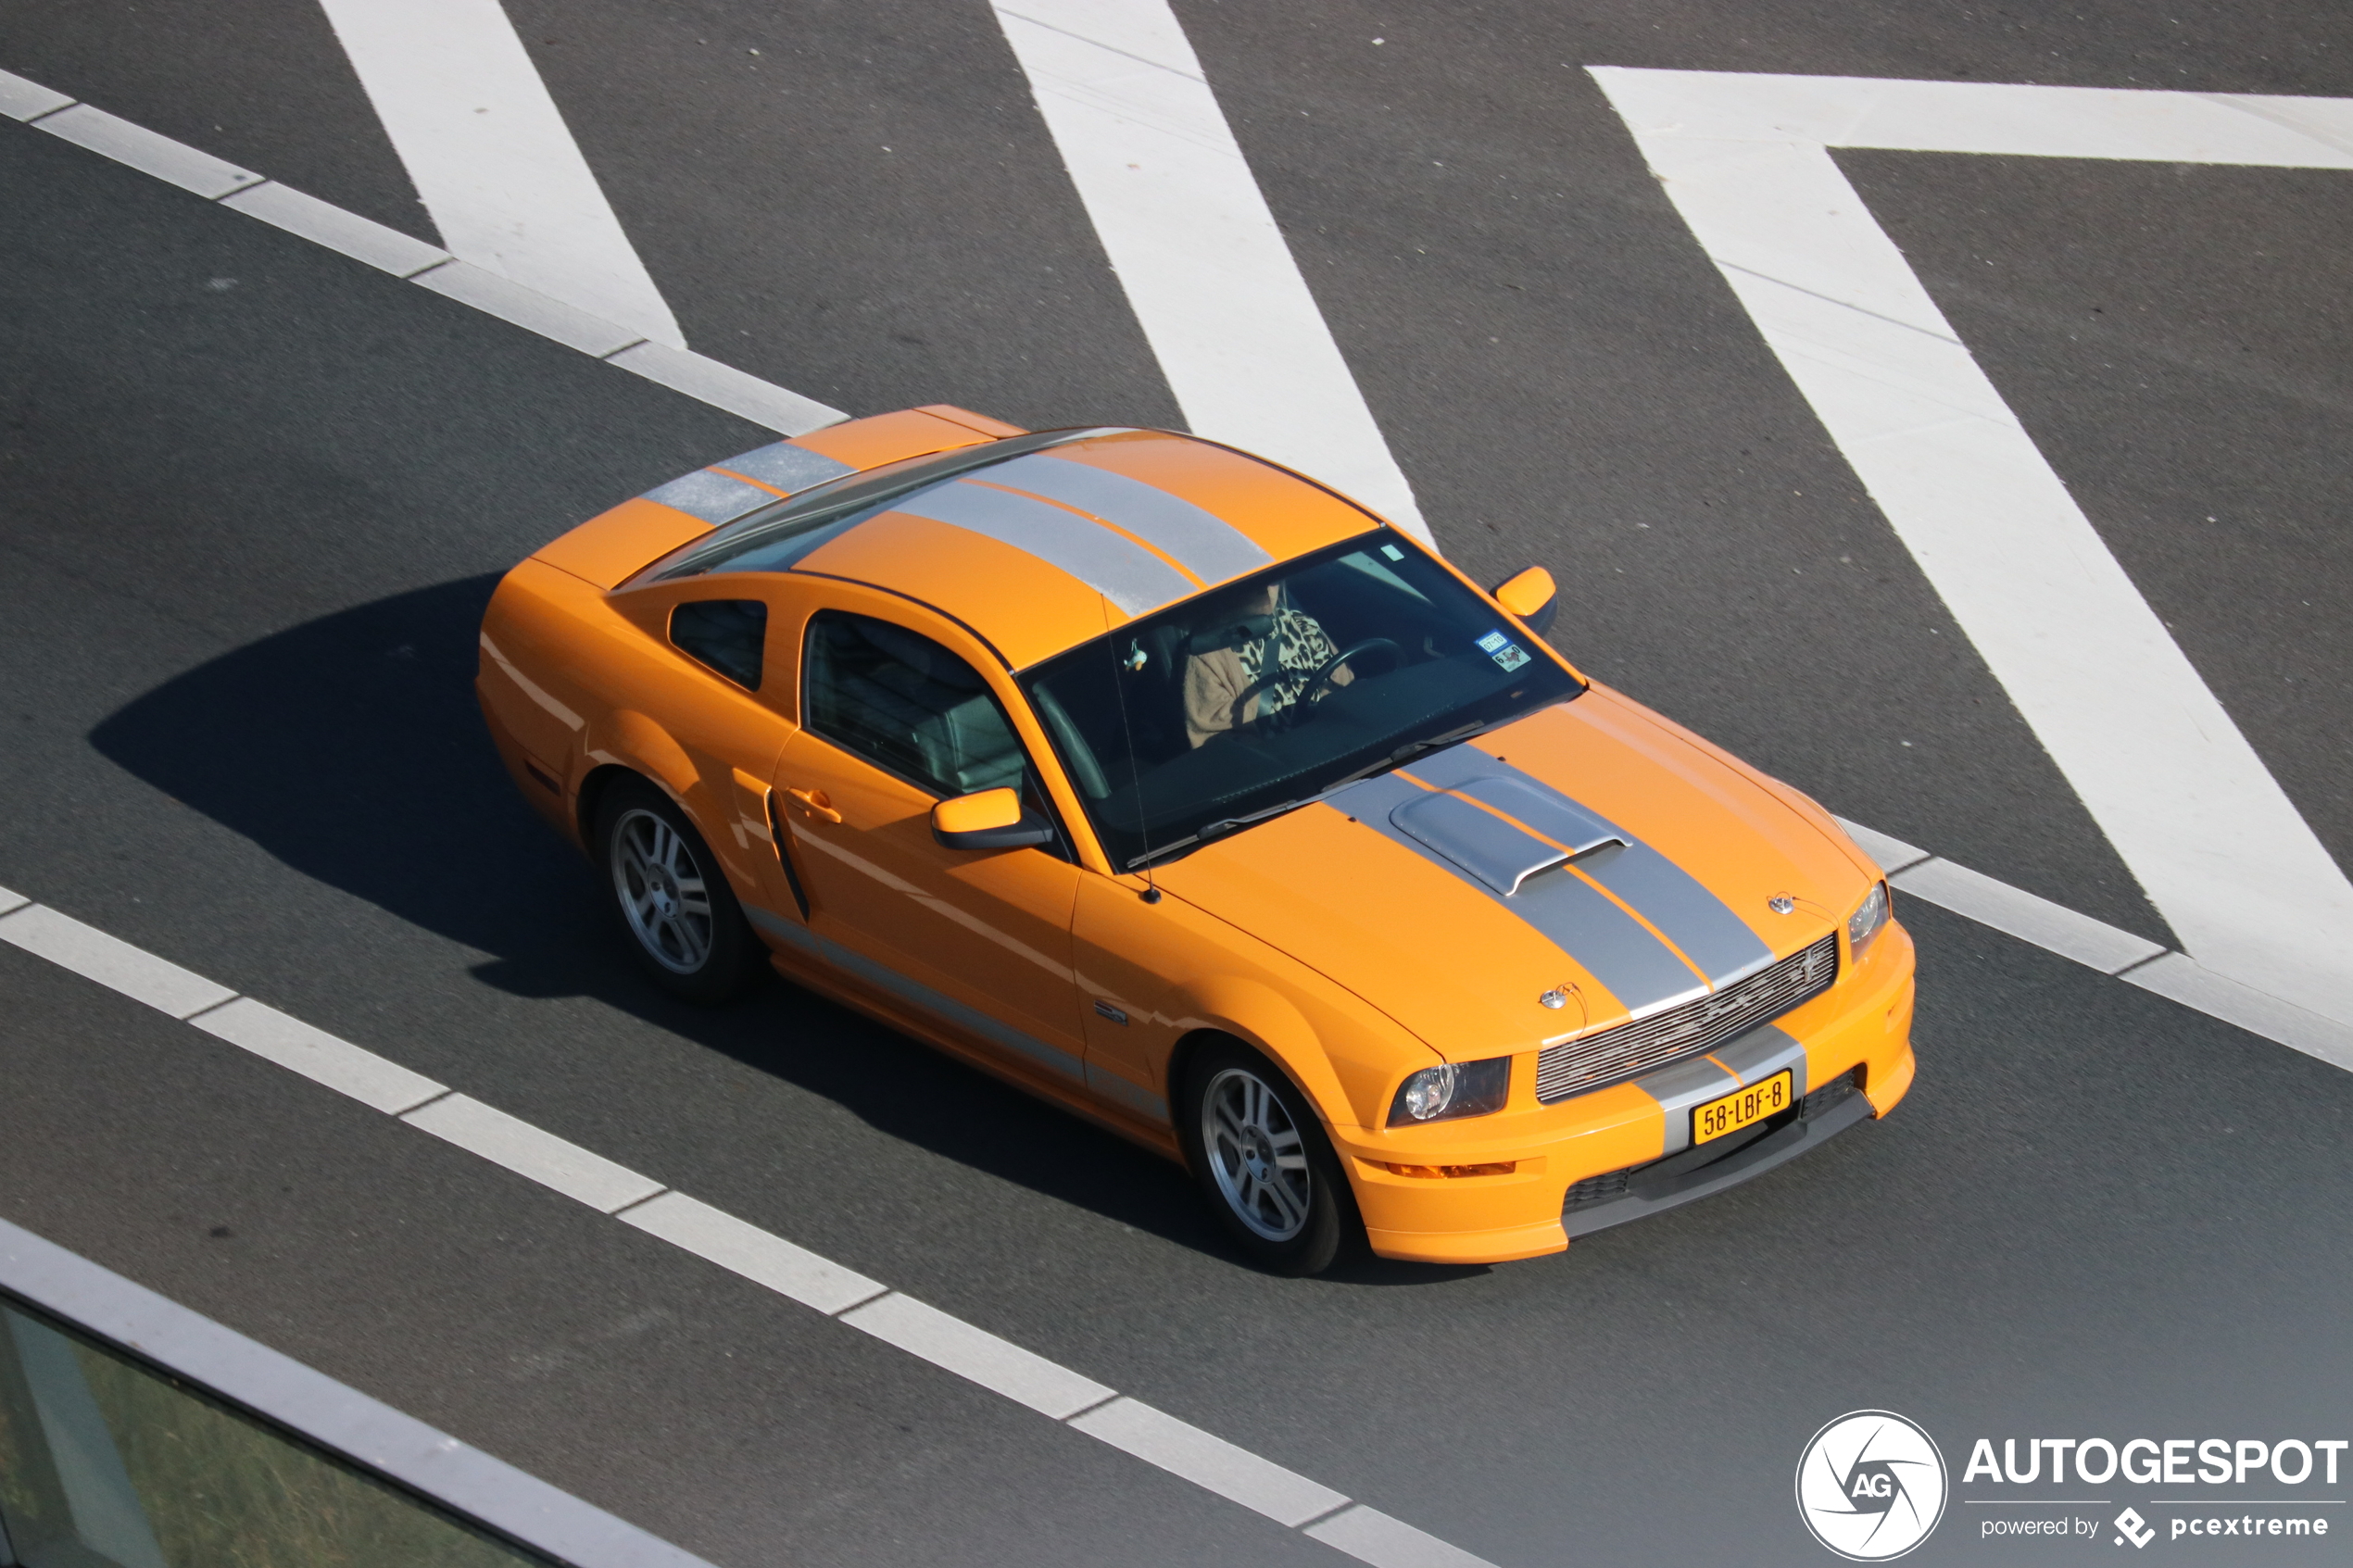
[(1263, 1162), (681, 920)]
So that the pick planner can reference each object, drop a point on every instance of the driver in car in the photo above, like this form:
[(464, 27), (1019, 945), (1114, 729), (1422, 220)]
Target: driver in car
[(1252, 660)]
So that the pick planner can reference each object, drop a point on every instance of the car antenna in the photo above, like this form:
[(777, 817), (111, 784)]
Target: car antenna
[(1135, 661)]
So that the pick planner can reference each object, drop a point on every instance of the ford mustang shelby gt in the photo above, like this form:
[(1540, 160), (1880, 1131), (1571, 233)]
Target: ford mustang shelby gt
[(1191, 795)]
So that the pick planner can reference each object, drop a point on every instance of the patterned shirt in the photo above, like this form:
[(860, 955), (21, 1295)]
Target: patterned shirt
[(1293, 650)]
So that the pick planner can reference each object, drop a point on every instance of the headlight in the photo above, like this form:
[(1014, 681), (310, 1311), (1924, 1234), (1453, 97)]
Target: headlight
[(1868, 921), (1459, 1088)]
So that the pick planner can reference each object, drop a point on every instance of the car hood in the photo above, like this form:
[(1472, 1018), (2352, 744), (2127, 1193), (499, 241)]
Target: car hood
[(1592, 851)]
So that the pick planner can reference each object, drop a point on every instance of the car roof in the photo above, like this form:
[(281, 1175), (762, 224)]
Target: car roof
[(1056, 545)]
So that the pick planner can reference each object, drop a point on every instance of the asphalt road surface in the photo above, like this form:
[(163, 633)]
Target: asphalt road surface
[(253, 498)]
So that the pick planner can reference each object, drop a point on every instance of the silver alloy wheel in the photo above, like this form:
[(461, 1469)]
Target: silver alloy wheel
[(1255, 1155), (662, 890)]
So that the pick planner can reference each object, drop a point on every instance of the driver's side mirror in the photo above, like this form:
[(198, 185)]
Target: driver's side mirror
[(993, 819), (1530, 596)]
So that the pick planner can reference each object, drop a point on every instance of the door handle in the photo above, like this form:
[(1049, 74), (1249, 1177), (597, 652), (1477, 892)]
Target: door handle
[(815, 802)]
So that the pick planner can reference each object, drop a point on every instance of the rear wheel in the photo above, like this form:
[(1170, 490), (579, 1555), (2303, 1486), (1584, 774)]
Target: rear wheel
[(680, 917), (1263, 1162)]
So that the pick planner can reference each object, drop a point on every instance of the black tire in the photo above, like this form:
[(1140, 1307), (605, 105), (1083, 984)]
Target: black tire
[(670, 898), (1290, 1218)]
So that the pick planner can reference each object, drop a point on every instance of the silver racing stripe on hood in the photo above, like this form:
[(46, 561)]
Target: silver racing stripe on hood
[(1695, 919), (1641, 972)]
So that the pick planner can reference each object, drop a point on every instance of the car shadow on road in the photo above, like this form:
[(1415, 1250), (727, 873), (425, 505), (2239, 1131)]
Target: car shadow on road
[(351, 750)]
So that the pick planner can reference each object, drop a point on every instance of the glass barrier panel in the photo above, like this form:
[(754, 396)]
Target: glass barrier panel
[(105, 1462)]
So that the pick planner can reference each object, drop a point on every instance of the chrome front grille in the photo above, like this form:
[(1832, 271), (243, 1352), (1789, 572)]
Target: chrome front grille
[(1701, 1025)]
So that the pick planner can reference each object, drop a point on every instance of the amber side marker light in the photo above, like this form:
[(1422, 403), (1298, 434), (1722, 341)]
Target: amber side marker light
[(1499, 1167)]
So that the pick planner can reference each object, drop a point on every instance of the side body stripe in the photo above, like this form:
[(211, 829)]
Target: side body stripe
[(884, 978), (1108, 1084)]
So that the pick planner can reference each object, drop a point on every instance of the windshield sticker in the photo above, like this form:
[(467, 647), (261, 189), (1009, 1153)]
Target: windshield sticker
[(1503, 650), (1392, 552)]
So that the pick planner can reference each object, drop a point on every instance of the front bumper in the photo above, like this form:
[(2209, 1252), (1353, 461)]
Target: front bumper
[(1649, 1189), (1442, 1208)]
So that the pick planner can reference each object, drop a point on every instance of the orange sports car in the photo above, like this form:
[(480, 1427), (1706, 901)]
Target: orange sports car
[(1179, 789)]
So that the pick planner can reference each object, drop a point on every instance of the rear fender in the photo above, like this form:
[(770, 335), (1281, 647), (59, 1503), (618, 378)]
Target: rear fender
[(633, 741)]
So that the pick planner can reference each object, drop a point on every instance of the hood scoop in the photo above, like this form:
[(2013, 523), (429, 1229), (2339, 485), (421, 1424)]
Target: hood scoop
[(1502, 831)]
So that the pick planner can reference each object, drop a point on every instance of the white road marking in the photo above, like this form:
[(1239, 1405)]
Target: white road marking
[(20, 99), (1214, 287), (977, 1355), (491, 156), (209, 177), (721, 386), (387, 250), (2092, 943), (2179, 979), (744, 1248), (556, 1163), (1893, 854), (109, 960), (1373, 1536), (1209, 1462), (2219, 849), (922, 1330), (766, 1259), (319, 1055), (528, 309)]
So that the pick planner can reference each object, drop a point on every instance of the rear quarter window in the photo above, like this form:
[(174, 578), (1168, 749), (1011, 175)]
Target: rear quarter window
[(730, 636)]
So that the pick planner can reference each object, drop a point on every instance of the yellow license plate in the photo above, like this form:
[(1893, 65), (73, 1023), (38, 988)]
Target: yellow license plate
[(1742, 1108)]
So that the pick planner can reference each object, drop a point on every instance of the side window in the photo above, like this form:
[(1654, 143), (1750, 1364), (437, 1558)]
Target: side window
[(728, 634), (906, 704)]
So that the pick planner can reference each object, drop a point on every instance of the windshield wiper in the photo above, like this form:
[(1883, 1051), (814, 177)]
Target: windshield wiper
[(1410, 750), (1220, 828)]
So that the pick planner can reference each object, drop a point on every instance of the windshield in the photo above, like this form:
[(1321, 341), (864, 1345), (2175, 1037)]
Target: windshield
[(1242, 703)]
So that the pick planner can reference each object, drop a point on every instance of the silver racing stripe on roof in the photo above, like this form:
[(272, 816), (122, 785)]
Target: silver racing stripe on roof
[(786, 467), (1206, 545), (1641, 972), (1122, 571), (1695, 919), (720, 498), (713, 497)]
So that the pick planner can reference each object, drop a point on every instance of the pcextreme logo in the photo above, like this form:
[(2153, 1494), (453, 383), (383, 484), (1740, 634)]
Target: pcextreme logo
[(1870, 1486)]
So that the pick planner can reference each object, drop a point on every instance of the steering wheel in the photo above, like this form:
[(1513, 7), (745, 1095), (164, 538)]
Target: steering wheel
[(1315, 683)]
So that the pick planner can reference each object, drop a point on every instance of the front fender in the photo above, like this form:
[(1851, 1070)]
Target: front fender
[(1267, 1021)]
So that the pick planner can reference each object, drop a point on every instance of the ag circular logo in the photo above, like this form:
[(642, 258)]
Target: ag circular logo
[(1870, 1486)]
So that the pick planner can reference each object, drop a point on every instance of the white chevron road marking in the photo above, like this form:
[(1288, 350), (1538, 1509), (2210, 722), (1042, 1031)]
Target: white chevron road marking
[(1220, 298), (2217, 844), (491, 157)]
